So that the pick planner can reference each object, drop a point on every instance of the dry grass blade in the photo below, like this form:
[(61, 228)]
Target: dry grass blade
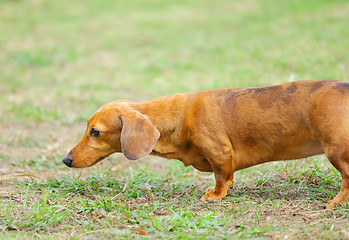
[(9, 176), (123, 190), (141, 231)]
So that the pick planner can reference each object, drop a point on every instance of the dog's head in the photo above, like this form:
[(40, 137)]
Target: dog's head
[(115, 127)]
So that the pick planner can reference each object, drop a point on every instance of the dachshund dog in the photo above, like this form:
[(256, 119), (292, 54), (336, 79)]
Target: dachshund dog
[(225, 130)]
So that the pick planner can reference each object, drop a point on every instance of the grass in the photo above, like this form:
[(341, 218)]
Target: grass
[(61, 60), (142, 201)]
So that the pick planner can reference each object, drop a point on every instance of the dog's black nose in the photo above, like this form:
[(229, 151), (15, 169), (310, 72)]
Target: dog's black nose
[(68, 161)]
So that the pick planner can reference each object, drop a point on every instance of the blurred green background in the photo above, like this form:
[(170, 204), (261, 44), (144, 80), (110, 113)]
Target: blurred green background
[(60, 60)]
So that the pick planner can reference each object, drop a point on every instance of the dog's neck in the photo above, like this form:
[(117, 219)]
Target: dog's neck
[(167, 114)]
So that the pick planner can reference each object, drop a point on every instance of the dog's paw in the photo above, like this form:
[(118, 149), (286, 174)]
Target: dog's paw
[(212, 195), (210, 190), (332, 204)]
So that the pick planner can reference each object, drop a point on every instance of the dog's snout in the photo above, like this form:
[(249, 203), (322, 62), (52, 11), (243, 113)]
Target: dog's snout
[(68, 161)]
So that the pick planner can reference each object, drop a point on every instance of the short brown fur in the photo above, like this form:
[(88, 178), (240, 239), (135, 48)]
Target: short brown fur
[(225, 130)]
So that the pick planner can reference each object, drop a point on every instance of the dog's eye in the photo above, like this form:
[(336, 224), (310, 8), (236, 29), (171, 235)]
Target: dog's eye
[(94, 132)]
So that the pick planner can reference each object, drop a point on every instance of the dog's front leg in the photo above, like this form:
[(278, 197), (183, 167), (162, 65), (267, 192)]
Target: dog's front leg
[(224, 174)]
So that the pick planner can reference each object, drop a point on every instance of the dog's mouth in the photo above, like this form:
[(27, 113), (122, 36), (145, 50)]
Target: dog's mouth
[(98, 160)]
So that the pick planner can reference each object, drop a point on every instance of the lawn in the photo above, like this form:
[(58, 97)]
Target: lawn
[(61, 60)]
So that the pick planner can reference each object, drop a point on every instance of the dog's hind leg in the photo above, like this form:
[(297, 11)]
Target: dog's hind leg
[(340, 160), (329, 123)]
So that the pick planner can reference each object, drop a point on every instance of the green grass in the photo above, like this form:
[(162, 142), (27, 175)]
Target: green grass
[(128, 204), (61, 60)]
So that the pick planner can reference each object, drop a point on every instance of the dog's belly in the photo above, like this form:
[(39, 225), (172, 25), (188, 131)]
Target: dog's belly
[(283, 151), (306, 149)]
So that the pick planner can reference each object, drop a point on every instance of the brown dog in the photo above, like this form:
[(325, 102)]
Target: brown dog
[(225, 130)]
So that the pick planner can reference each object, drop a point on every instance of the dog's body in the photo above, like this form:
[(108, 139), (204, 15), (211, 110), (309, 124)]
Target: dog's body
[(226, 130)]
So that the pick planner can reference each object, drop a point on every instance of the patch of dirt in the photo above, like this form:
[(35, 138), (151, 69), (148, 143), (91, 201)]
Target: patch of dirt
[(20, 144)]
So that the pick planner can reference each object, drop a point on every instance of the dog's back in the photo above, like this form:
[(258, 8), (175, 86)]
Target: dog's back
[(280, 122)]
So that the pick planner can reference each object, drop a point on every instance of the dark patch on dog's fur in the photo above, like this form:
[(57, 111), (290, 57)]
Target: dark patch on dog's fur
[(269, 96), (291, 89), (341, 87), (286, 100), (250, 141), (265, 96), (266, 89), (236, 93), (316, 86)]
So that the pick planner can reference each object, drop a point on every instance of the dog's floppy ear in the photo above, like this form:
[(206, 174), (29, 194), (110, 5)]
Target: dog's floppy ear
[(138, 135)]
